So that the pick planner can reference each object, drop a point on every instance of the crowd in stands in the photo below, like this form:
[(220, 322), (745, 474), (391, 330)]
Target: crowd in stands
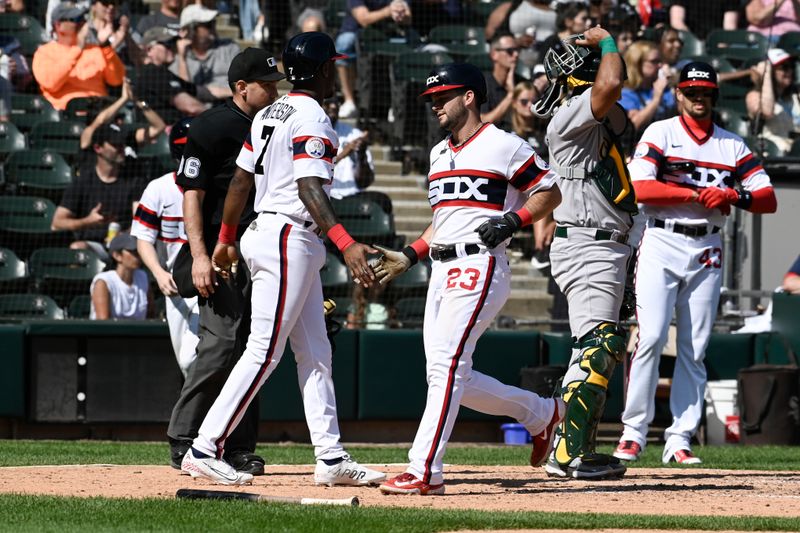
[(124, 71)]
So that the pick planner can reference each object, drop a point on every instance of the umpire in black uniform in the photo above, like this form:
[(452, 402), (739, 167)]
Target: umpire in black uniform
[(209, 159)]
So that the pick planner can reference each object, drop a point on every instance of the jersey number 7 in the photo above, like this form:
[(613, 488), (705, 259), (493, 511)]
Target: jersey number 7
[(266, 135)]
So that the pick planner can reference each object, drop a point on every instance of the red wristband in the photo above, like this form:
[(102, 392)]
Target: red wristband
[(525, 217), (421, 248), (339, 236), (227, 233)]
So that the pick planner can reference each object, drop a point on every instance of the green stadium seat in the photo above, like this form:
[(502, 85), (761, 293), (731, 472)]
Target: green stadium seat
[(461, 41), (11, 139), (410, 312), (13, 272), (39, 172), (157, 148), (412, 283), (25, 224), (81, 108), (482, 61), (692, 46), (64, 273), (61, 137), (27, 110), (738, 125), (80, 306), (762, 147), (790, 41), (374, 41), (26, 29), (737, 46), (27, 306), (369, 223), (415, 66), (335, 279)]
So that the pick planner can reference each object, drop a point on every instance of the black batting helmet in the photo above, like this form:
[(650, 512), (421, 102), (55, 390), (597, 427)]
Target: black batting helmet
[(178, 136), (306, 52), (456, 76)]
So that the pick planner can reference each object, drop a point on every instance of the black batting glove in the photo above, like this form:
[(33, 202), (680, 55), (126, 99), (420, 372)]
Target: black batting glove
[(498, 229)]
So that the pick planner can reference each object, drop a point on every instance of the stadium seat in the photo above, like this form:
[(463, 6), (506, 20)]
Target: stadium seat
[(61, 137), (738, 125), (80, 306), (64, 273), (369, 223), (29, 306), (477, 12), (13, 272), (692, 46), (414, 282), (25, 224), (157, 148), (790, 41), (11, 139), (335, 279), (79, 109), (38, 172), (27, 110), (763, 148), (26, 29), (482, 61), (410, 312), (737, 46), (733, 96), (461, 41)]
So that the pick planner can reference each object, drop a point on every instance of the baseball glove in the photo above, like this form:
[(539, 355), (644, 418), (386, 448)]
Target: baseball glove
[(332, 327), (497, 229), (390, 265)]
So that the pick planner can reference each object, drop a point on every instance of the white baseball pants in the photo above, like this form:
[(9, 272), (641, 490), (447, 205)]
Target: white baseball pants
[(464, 296), (681, 274), (183, 320), (284, 260)]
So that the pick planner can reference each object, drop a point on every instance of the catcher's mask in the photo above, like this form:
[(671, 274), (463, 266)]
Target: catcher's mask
[(570, 67)]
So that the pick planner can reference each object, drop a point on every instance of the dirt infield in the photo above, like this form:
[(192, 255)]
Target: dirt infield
[(661, 491)]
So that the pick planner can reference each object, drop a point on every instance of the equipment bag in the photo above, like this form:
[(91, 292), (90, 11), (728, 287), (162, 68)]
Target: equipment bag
[(769, 403), (543, 380)]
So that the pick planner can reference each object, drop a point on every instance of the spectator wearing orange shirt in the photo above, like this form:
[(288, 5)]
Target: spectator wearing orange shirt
[(68, 67)]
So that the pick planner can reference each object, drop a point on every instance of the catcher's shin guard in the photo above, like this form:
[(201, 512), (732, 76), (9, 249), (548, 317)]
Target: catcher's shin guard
[(601, 349)]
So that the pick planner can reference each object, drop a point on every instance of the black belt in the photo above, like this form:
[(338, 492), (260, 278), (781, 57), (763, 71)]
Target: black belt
[(683, 229), (599, 234), (447, 253), (306, 223)]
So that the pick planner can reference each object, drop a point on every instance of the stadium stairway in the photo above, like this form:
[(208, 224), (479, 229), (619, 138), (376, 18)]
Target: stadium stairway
[(529, 298)]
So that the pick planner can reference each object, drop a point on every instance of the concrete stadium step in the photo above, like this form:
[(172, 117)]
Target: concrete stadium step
[(528, 283), (409, 223), (403, 193), (392, 168), (395, 179), (527, 304)]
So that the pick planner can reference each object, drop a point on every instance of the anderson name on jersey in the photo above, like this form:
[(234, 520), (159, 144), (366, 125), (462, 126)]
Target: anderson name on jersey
[(668, 152), (294, 139), (492, 172)]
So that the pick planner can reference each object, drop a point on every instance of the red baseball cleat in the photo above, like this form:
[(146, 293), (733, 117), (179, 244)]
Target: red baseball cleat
[(543, 442), (628, 450), (684, 457), (408, 484)]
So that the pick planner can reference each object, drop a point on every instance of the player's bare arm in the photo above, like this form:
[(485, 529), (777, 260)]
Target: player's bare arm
[(393, 263), (147, 251), (319, 207), (225, 257), (607, 87), (202, 271)]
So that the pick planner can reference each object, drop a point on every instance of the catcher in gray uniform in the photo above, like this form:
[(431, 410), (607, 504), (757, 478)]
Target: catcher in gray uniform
[(589, 253)]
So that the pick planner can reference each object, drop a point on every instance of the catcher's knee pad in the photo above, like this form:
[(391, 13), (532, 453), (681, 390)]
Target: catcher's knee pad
[(601, 349)]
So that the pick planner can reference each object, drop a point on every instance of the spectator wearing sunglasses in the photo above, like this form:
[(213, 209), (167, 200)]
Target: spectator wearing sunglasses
[(774, 104), (70, 66), (500, 83)]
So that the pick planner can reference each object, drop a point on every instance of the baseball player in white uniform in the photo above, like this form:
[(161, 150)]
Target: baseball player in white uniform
[(687, 173), (289, 156), (479, 197), (158, 228)]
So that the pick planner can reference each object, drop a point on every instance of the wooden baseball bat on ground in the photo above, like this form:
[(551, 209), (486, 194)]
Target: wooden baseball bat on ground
[(198, 494)]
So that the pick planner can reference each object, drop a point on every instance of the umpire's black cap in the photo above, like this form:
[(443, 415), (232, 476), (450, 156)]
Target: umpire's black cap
[(254, 64), (306, 52), (456, 76), (698, 74)]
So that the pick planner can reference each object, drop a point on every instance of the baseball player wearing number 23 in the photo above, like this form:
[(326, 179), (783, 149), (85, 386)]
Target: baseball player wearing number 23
[(688, 173), (484, 183)]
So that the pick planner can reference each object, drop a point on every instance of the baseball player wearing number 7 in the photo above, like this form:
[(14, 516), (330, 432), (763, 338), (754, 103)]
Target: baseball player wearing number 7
[(484, 184), (288, 155), (688, 173)]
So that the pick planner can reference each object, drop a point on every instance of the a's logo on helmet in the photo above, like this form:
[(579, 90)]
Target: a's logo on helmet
[(271, 62), (432, 79), (315, 147), (694, 73)]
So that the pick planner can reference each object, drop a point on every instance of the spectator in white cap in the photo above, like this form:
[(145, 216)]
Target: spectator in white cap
[(122, 292), (206, 57), (774, 102)]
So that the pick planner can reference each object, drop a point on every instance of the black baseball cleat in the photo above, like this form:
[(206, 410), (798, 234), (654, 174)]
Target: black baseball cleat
[(244, 461), (177, 449)]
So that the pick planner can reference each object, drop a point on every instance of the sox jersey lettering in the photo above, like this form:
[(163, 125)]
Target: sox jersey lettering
[(720, 161), (491, 173), (304, 145)]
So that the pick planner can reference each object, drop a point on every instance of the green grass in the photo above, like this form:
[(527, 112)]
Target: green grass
[(41, 513)]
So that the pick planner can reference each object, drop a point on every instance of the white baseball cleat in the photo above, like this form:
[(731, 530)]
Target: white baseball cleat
[(217, 471), (346, 472)]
